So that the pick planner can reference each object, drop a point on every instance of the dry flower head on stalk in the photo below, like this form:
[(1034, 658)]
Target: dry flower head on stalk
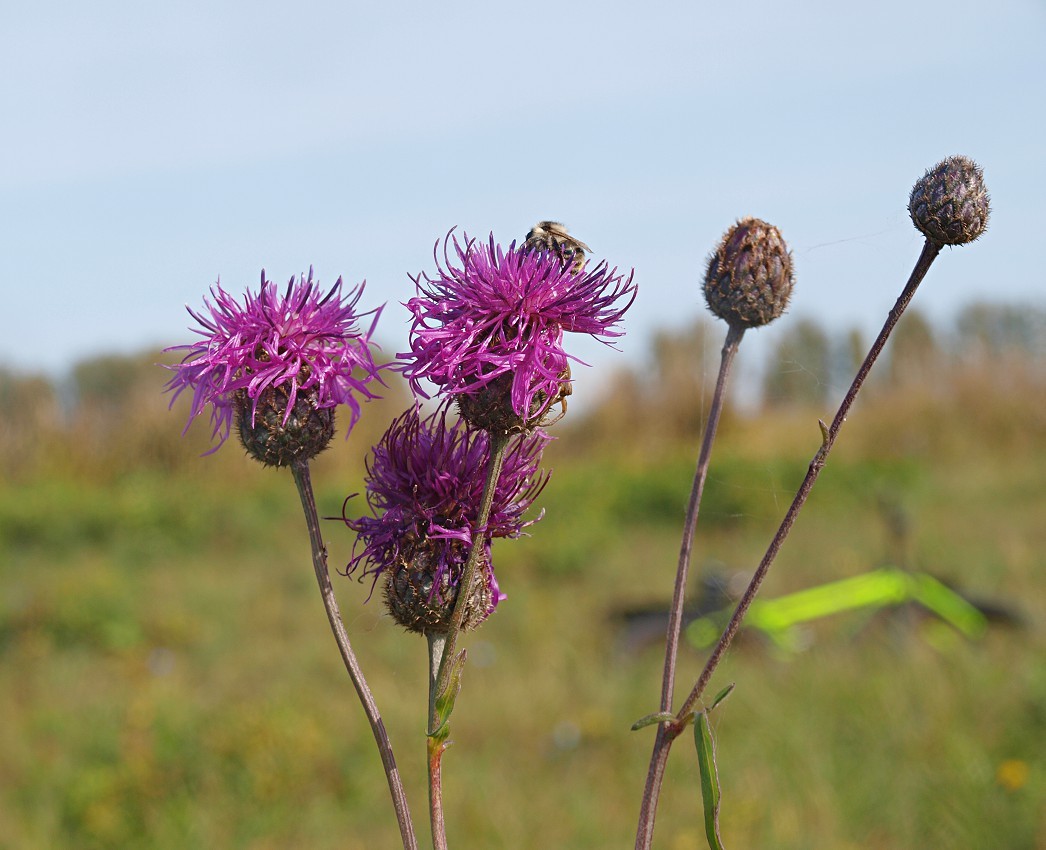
[(950, 204), (749, 277)]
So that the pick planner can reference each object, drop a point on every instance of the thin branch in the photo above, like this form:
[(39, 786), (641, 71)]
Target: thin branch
[(303, 482), (662, 741), (498, 444), (922, 265)]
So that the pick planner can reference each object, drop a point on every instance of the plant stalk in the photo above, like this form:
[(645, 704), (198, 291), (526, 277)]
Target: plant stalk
[(498, 444), (436, 745), (662, 741), (929, 254), (443, 648), (303, 482)]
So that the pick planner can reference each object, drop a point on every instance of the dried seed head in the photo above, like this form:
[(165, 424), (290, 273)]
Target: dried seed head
[(749, 278), (275, 438), (421, 599), (949, 203)]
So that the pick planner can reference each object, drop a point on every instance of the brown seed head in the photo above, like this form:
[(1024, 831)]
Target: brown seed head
[(749, 278), (949, 203)]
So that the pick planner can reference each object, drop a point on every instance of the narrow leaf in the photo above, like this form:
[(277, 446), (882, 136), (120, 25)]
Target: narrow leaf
[(445, 701), (709, 779), (652, 719), (722, 695)]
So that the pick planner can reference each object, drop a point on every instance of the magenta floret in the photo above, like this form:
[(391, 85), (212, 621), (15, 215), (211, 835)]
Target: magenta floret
[(498, 310), (299, 339)]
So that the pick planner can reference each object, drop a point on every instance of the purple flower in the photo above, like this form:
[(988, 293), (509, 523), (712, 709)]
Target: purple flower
[(424, 485), (298, 341), (504, 312)]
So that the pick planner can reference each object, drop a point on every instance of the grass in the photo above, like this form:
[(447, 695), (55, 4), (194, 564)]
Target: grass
[(168, 680)]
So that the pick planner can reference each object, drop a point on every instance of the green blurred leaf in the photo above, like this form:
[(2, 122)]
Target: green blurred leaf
[(948, 605), (709, 778), (722, 695), (652, 719), (878, 588)]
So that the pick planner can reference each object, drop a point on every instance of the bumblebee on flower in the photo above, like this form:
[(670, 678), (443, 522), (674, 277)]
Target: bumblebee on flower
[(488, 328)]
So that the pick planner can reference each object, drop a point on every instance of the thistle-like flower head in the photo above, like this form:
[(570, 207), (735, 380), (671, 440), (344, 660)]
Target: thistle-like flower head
[(298, 351), (749, 278), (495, 317), (424, 485), (949, 203)]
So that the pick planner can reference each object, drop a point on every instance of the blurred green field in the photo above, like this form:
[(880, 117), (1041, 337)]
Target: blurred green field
[(168, 678)]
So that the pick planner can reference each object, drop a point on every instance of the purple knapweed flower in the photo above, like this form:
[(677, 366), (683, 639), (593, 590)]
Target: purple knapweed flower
[(494, 319), (292, 346), (425, 481)]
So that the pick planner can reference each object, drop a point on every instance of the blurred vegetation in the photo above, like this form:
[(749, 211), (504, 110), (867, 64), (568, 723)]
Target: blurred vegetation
[(168, 679)]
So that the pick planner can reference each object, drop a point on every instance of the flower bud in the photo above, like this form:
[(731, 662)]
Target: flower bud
[(277, 437), (749, 278), (949, 203)]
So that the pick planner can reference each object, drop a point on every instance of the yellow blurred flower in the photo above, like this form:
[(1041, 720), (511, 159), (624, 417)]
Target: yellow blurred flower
[(1012, 774)]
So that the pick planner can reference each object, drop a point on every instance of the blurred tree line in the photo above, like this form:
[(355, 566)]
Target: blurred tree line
[(989, 352), (109, 416)]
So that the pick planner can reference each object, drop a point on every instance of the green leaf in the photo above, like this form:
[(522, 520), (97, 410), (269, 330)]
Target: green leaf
[(722, 695), (709, 779), (948, 605), (652, 719), (825, 434), (445, 701)]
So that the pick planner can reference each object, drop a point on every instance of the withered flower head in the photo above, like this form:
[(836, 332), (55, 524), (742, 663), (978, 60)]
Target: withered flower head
[(749, 278), (949, 204)]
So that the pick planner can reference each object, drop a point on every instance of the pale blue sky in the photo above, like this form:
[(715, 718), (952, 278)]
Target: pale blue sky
[(148, 149)]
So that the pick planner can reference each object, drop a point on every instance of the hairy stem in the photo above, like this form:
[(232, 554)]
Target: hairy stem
[(303, 482), (662, 742)]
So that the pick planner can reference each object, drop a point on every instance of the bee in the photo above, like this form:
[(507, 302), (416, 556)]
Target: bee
[(565, 389), (552, 236)]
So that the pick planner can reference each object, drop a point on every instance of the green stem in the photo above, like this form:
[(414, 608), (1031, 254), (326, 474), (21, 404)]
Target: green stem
[(498, 444), (442, 648), (436, 746), (303, 482)]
